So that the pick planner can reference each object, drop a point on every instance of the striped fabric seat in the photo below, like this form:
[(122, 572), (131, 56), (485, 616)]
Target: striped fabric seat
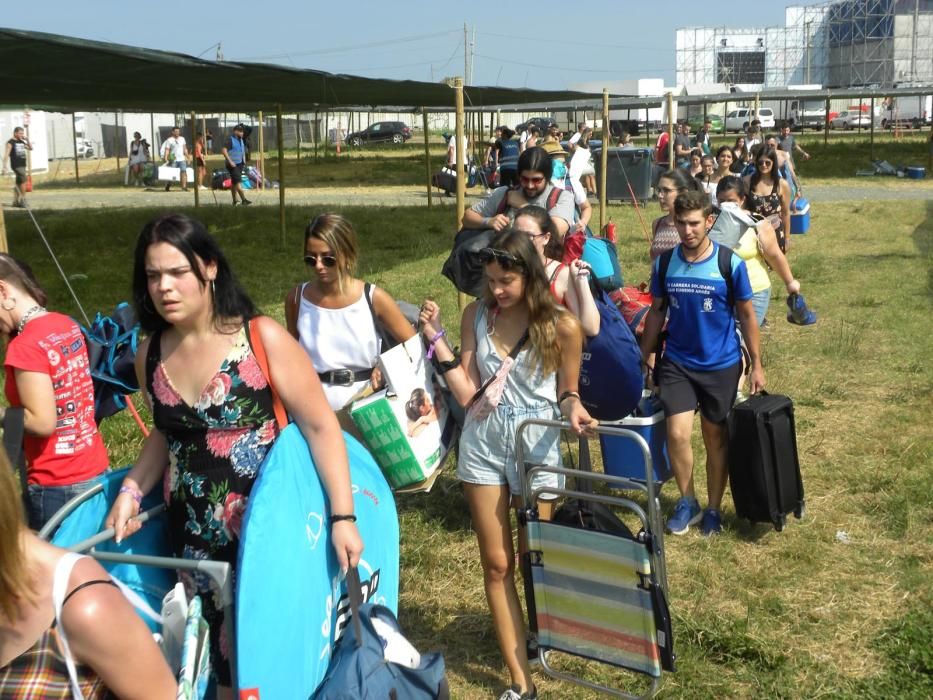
[(591, 596)]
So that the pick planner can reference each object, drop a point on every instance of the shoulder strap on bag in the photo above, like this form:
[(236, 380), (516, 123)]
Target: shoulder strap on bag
[(513, 353), (553, 197), (255, 342), (725, 269), (664, 262), (369, 291)]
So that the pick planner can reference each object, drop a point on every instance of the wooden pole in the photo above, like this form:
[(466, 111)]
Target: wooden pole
[(427, 155), (74, 133), (197, 182), (462, 298), (116, 139), (204, 134), (298, 139), (604, 162), (670, 131), (4, 245), (871, 133), (262, 147), (280, 137)]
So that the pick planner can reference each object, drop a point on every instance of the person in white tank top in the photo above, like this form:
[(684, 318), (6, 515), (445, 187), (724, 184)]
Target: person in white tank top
[(334, 321)]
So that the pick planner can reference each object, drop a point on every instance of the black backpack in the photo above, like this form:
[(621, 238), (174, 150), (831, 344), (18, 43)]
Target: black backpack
[(463, 266)]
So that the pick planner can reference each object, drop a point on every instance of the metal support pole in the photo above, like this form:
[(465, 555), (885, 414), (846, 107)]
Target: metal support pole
[(427, 155), (461, 153), (604, 162), (262, 146), (298, 140), (74, 132), (826, 123), (280, 137), (871, 133), (116, 139)]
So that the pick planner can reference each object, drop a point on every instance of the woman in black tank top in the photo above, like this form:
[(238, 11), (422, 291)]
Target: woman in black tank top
[(769, 194)]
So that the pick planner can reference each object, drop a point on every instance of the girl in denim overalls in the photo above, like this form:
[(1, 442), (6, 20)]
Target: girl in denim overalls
[(541, 384)]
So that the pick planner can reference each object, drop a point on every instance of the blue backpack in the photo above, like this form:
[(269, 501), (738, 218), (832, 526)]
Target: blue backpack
[(359, 669), (111, 349), (610, 374)]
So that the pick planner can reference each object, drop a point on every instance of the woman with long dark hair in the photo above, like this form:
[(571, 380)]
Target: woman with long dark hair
[(48, 375), (740, 155), (213, 408), (769, 194), (516, 317), (664, 231)]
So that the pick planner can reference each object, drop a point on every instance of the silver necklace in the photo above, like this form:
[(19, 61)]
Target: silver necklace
[(27, 317)]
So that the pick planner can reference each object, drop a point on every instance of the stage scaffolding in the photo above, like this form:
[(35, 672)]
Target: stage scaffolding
[(846, 43)]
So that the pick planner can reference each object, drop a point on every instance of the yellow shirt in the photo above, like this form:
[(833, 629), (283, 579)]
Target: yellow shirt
[(748, 250)]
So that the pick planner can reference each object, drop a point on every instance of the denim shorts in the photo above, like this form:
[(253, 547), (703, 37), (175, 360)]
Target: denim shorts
[(487, 448), (46, 501)]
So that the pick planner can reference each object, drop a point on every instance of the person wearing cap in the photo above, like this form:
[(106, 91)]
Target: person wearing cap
[(234, 151), (583, 211)]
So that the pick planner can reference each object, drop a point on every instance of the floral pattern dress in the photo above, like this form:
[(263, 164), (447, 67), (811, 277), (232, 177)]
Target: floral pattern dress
[(215, 449)]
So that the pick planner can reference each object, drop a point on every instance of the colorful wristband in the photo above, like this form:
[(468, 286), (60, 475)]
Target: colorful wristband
[(135, 493), (431, 346)]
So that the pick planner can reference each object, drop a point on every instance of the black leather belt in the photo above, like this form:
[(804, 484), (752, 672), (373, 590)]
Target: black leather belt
[(345, 377)]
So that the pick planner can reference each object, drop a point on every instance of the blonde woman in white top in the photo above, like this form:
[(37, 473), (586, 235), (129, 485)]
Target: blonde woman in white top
[(338, 324)]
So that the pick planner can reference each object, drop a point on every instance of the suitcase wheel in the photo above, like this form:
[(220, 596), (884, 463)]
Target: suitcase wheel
[(800, 510)]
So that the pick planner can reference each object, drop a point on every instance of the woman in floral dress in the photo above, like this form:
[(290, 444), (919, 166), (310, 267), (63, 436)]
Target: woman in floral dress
[(213, 409)]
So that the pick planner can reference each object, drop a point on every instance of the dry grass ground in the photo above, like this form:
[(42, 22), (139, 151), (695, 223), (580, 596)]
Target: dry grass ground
[(837, 605)]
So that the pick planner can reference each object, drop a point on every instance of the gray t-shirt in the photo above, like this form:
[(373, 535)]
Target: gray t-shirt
[(787, 143), (563, 209), (682, 140)]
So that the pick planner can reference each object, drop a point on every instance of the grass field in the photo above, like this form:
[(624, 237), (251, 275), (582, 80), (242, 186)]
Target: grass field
[(839, 605)]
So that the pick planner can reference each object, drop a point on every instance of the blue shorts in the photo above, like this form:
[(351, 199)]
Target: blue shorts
[(760, 302), (487, 454), (180, 164)]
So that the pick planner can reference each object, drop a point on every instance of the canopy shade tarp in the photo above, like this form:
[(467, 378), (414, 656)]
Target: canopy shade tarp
[(59, 73)]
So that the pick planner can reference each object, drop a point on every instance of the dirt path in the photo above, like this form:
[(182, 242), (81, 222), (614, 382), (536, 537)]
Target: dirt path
[(98, 197)]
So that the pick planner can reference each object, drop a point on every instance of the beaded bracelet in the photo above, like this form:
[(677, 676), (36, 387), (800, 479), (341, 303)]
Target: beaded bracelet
[(337, 518), (135, 493)]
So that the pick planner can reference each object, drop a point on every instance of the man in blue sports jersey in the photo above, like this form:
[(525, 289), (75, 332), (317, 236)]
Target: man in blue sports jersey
[(702, 360)]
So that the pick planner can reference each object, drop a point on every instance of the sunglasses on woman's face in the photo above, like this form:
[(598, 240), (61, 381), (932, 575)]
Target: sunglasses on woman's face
[(327, 260), (765, 162), (534, 180), (506, 261)]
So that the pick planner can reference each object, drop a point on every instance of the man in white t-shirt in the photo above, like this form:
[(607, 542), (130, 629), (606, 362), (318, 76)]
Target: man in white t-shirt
[(452, 151), (175, 152), (578, 133)]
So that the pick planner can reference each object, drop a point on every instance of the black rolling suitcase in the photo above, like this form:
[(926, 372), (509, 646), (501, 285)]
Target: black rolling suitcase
[(764, 471)]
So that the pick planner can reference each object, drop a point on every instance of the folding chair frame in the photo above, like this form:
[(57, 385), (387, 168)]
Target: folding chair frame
[(650, 522)]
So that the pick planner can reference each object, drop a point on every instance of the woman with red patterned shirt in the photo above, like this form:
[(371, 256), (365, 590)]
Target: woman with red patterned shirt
[(48, 375)]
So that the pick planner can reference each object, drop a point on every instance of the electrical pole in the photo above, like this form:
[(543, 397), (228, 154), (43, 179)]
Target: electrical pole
[(473, 50), (466, 56), (220, 51)]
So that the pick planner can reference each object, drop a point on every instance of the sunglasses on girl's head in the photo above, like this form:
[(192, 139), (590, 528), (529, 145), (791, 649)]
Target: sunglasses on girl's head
[(506, 261), (312, 258), (531, 234)]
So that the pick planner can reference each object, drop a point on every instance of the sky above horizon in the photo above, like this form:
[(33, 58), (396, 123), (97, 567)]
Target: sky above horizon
[(397, 40)]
